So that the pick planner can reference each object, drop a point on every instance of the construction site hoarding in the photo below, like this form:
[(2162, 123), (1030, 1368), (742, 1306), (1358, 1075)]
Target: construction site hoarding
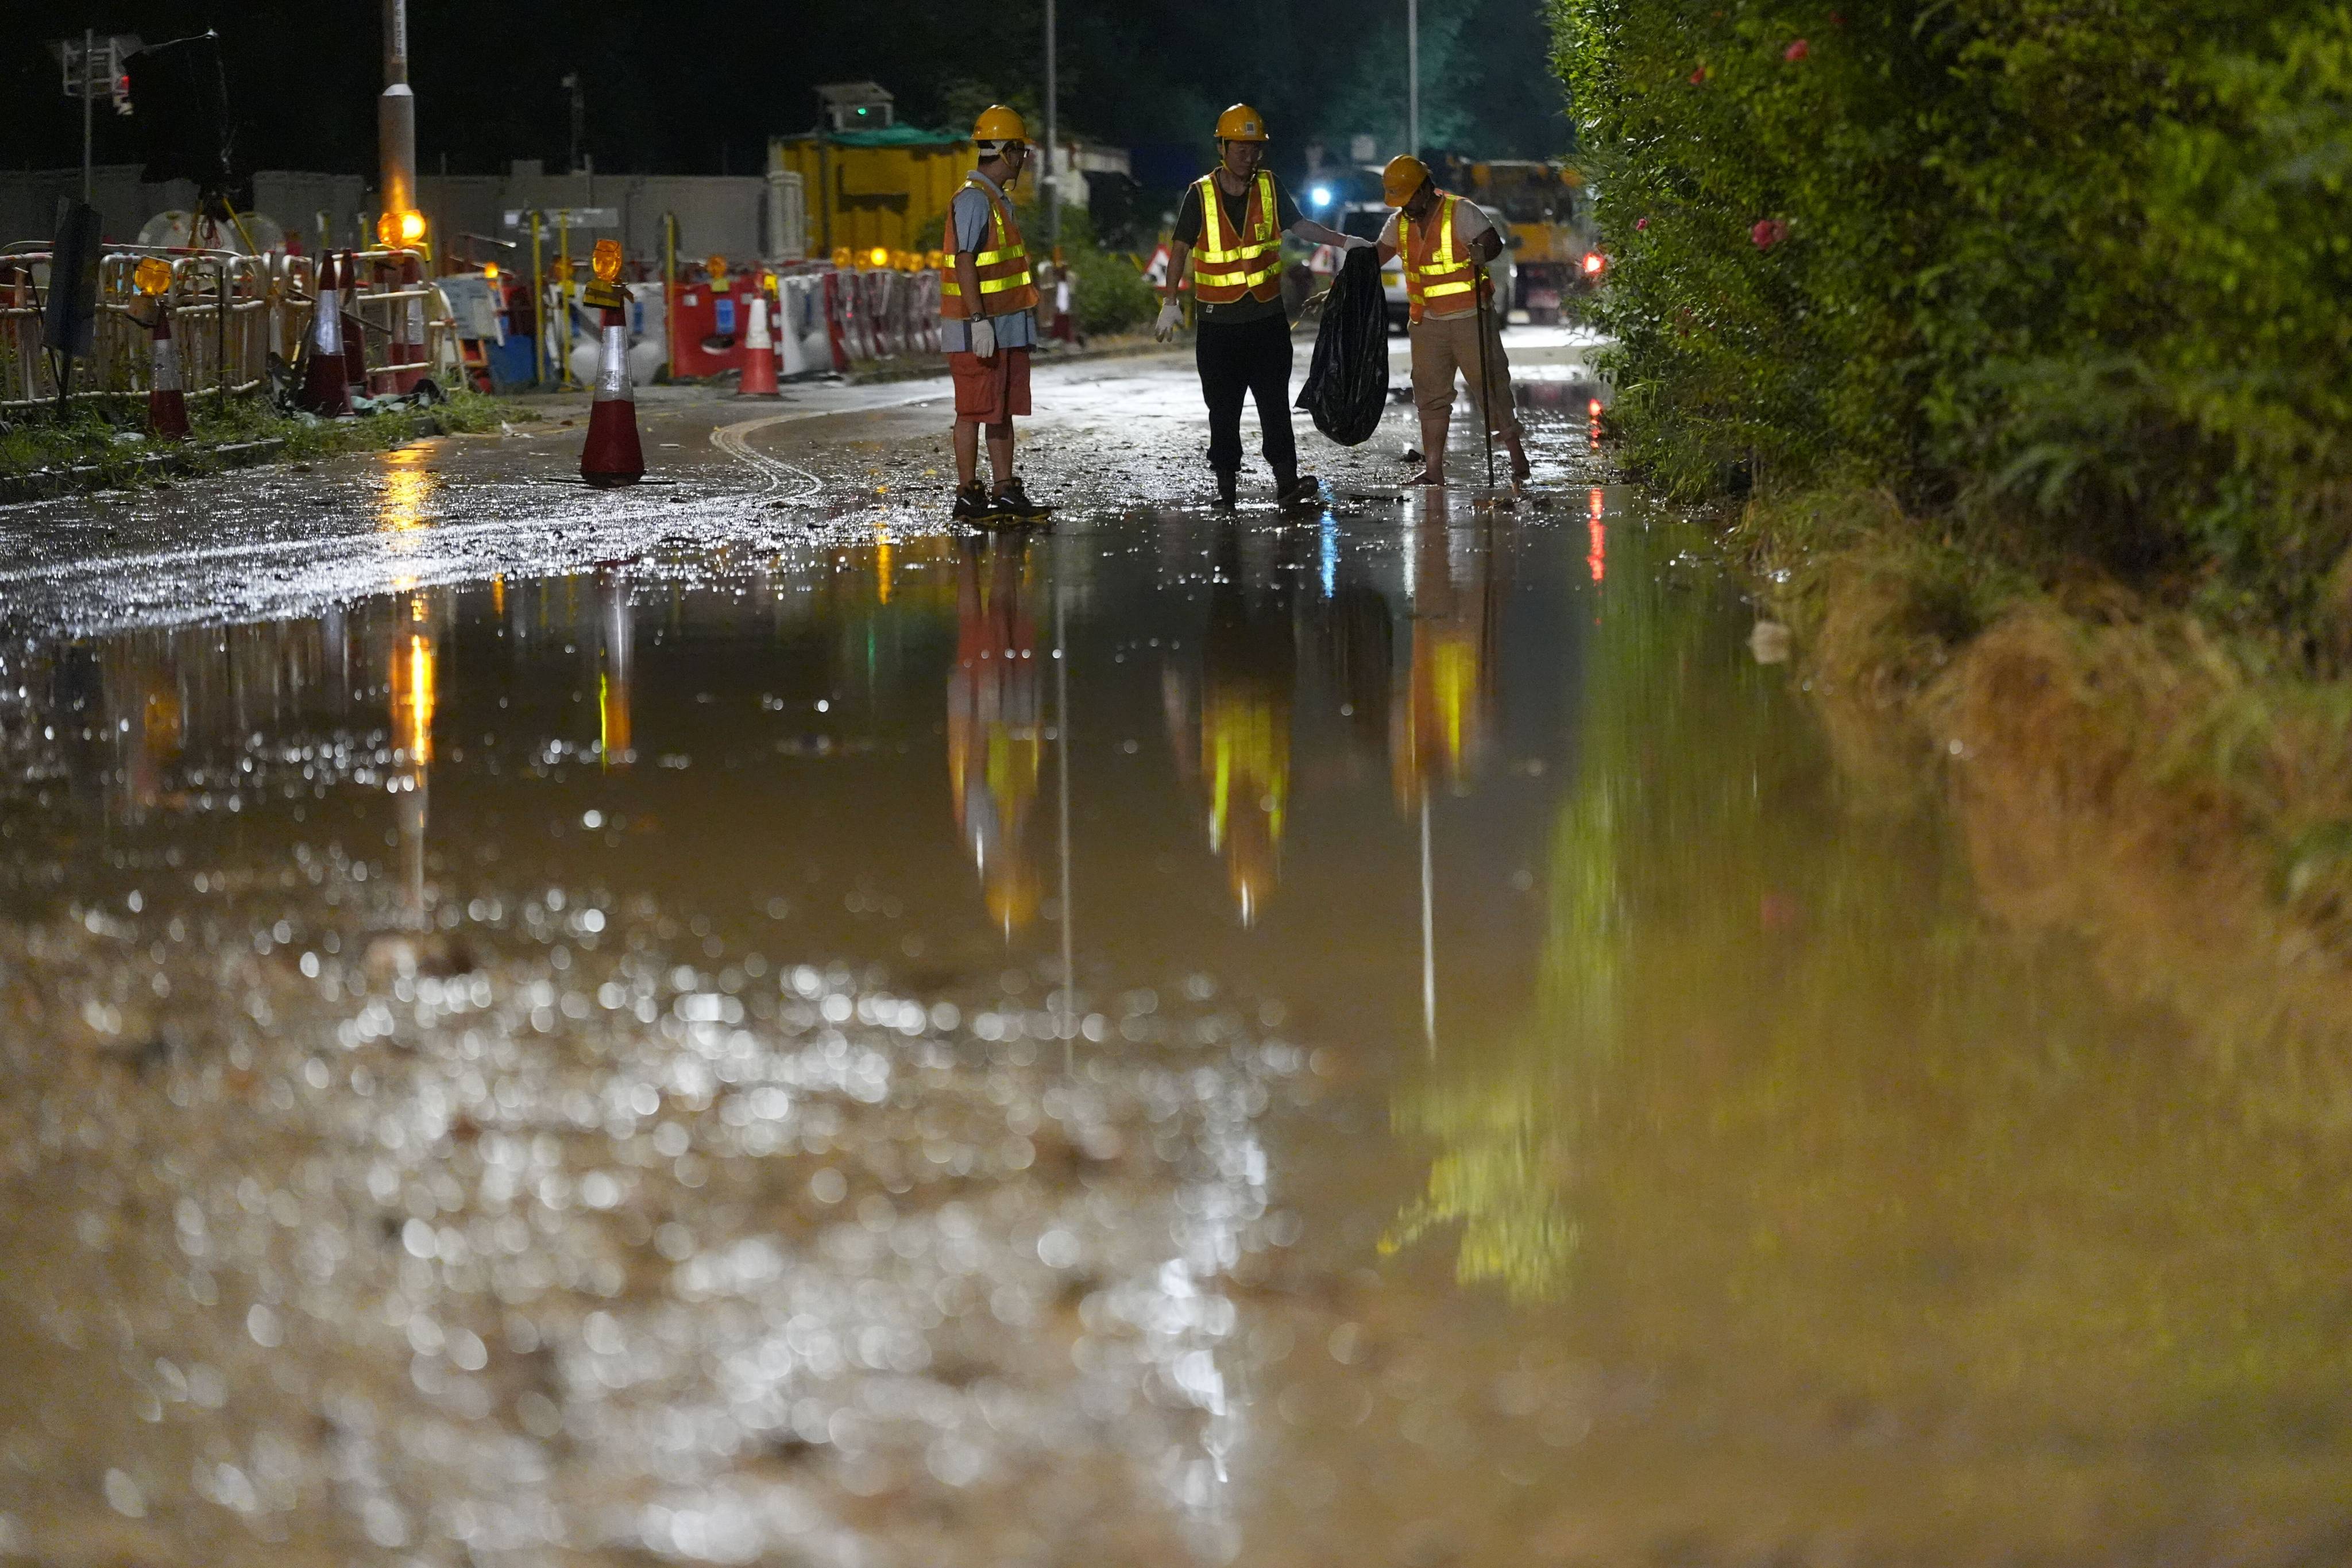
[(885, 189)]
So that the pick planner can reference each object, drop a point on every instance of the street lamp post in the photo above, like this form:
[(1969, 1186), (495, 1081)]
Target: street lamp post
[(1051, 181), (397, 116), (88, 91), (1412, 77)]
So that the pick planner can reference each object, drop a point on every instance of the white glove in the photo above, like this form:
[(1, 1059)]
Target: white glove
[(983, 337), (1357, 242), (1171, 315)]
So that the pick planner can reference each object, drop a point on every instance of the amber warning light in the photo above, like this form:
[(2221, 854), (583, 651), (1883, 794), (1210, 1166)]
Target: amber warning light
[(607, 262), (400, 228), (152, 275), (1593, 263)]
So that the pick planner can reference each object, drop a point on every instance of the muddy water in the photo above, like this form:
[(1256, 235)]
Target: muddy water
[(1376, 1040)]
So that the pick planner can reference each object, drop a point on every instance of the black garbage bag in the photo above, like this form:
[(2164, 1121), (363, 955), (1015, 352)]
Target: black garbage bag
[(1347, 385)]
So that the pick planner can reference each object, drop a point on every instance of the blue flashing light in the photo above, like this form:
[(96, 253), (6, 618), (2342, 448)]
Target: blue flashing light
[(1321, 195)]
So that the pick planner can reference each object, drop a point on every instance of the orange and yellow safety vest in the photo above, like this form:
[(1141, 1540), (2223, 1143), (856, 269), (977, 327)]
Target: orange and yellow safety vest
[(1005, 284), (1227, 266), (1439, 276)]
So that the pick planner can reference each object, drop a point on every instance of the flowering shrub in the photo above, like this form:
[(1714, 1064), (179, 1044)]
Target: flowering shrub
[(2082, 264)]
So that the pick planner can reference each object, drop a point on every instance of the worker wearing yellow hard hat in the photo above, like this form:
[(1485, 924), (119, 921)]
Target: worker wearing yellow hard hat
[(988, 320), (1228, 230), (1446, 241)]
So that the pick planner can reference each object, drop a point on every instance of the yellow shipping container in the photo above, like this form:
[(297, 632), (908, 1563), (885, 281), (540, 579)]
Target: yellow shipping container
[(885, 189)]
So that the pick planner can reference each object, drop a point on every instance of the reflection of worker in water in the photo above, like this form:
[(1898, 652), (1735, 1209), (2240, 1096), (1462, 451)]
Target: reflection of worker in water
[(1440, 727), (615, 735), (995, 725), (1250, 665), (144, 692)]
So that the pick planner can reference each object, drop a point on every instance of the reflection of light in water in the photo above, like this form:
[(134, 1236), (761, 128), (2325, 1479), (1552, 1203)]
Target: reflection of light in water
[(1331, 555), (616, 731), (882, 562), (408, 486), (1597, 531), (412, 696)]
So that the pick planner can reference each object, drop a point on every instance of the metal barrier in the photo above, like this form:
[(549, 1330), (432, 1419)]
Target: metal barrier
[(230, 313)]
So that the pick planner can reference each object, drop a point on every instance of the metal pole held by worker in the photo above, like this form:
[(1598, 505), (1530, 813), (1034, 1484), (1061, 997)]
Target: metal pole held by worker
[(1486, 376)]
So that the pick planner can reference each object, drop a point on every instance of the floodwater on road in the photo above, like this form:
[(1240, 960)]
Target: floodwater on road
[(1379, 1037)]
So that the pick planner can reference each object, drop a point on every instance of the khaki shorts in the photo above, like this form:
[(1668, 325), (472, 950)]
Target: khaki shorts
[(1444, 347)]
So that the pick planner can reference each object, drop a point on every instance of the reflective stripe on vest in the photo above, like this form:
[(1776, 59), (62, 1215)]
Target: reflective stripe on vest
[(1227, 267), (1445, 271), (1005, 284)]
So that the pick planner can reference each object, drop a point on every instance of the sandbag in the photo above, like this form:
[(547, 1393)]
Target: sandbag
[(1347, 385)]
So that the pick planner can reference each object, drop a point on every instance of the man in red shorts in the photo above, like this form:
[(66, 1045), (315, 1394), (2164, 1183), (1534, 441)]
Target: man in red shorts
[(988, 322)]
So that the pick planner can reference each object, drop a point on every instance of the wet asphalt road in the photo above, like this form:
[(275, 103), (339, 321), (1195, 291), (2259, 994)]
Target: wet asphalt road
[(728, 1022)]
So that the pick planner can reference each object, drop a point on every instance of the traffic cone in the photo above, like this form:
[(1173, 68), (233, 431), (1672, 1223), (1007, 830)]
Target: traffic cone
[(408, 330), (355, 371), (759, 353), (614, 456), (324, 391), (167, 405)]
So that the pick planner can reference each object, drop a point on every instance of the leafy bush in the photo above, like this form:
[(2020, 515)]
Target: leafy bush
[(2076, 266), (1108, 294)]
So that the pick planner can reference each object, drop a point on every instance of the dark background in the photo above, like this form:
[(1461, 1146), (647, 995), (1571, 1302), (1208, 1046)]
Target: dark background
[(697, 88)]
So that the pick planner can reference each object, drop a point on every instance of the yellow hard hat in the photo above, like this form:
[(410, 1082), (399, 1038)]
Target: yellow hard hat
[(1404, 175), (1241, 123), (998, 123)]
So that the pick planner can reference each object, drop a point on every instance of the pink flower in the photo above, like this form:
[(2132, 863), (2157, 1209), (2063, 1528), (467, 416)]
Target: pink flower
[(1698, 77), (1640, 223), (1767, 232), (1797, 50)]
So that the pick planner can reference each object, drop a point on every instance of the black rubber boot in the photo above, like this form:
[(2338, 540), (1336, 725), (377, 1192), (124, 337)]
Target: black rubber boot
[(1227, 481)]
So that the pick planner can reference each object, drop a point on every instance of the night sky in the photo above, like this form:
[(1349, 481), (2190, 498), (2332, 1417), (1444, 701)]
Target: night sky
[(695, 88)]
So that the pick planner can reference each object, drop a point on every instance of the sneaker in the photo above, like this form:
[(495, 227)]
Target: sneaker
[(1304, 491), (973, 505), (1012, 501)]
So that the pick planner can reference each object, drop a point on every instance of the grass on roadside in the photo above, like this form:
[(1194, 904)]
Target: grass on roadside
[(112, 441), (2125, 765)]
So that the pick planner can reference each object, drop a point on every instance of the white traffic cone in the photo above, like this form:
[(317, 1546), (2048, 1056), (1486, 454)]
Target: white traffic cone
[(759, 353), (325, 392)]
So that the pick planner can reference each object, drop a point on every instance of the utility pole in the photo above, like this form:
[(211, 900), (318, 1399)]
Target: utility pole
[(395, 121), (88, 91), (1412, 77), (1051, 181), (580, 118)]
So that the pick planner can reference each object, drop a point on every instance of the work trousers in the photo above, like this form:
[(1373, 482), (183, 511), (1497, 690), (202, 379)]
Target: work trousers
[(1447, 347), (1251, 360)]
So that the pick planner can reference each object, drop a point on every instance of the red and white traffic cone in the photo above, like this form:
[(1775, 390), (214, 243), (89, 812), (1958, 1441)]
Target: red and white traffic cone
[(614, 456), (355, 371), (408, 328), (759, 353), (167, 405), (325, 392)]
